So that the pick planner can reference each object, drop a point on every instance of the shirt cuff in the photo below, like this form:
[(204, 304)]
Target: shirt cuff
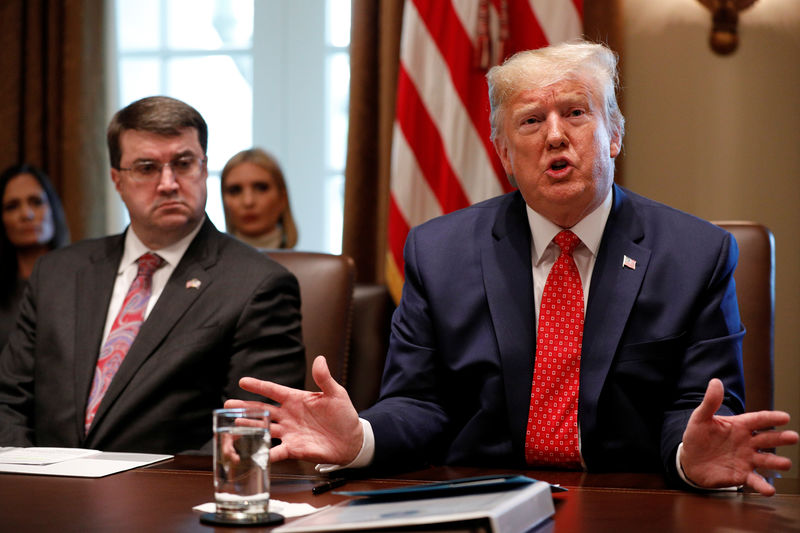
[(365, 455), (688, 481)]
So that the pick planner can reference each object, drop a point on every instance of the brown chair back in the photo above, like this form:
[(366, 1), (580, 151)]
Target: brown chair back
[(755, 289), (326, 292), (369, 342)]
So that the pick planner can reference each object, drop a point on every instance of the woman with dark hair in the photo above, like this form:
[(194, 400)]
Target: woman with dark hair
[(256, 201), (32, 224)]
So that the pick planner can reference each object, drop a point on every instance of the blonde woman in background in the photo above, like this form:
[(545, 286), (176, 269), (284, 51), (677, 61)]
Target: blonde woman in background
[(256, 201)]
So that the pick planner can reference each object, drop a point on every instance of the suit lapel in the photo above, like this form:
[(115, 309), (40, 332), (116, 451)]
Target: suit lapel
[(94, 285), (507, 277), (613, 292), (178, 295)]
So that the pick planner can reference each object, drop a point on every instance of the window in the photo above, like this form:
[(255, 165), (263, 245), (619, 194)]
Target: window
[(267, 73)]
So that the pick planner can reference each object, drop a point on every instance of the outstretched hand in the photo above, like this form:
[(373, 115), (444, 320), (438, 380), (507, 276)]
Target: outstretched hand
[(722, 451), (321, 427)]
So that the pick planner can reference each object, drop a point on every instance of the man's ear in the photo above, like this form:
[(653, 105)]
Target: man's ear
[(501, 148), (616, 145), (115, 177)]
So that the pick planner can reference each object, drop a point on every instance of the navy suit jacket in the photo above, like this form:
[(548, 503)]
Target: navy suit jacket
[(457, 381), (243, 319)]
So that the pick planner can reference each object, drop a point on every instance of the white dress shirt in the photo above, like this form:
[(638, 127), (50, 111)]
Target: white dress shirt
[(544, 251), (126, 272)]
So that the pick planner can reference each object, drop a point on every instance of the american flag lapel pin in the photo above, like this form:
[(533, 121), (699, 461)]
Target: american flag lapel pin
[(627, 262), (193, 283)]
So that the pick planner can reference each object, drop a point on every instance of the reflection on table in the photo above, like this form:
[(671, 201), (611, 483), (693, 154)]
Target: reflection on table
[(161, 497)]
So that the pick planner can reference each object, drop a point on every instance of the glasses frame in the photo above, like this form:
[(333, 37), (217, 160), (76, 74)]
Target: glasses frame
[(138, 178)]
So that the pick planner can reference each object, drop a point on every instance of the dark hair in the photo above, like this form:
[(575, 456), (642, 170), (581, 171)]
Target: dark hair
[(155, 114), (8, 253)]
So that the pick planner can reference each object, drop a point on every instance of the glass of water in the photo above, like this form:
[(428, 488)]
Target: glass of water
[(241, 463)]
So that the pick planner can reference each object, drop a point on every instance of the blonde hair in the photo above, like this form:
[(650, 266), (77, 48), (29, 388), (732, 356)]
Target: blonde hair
[(261, 158), (591, 63)]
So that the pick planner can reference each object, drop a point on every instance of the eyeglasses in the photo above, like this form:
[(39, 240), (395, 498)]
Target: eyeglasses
[(184, 167)]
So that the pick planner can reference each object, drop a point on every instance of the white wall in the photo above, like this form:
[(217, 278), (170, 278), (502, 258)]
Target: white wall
[(719, 137), (288, 106)]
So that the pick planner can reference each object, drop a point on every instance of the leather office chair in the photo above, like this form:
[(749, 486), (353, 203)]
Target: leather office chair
[(369, 342), (326, 292), (755, 288)]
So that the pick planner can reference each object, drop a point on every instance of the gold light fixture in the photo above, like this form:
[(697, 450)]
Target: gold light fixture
[(725, 17)]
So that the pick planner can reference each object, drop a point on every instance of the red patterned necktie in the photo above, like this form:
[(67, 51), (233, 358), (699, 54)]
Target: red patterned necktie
[(122, 332), (552, 435)]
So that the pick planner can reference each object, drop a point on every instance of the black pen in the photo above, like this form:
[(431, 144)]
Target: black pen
[(328, 485)]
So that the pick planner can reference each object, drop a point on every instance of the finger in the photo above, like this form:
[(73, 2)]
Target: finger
[(250, 404), (278, 453), (233, 404), (773, 439), (322, 376), (275, 431), (770, 461), (764, 420), (268, 389), (758, 483), (249, 423), (711, 401), (228, 449)]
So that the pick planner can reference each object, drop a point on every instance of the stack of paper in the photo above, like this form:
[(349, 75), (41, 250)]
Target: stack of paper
[(77, 462)]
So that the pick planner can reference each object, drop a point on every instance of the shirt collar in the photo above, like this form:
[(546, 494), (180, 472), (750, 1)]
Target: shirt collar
[(589, 229), (172, 254)]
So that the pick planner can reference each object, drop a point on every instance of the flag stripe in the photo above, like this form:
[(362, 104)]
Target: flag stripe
[(524, 29), (578, 4), (559, 21), (467, 13), (455, 45), (463, 145), (398, 230), (426, 142), (420, 202)]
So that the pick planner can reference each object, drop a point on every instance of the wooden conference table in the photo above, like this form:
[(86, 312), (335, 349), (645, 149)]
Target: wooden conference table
[(161, 497)]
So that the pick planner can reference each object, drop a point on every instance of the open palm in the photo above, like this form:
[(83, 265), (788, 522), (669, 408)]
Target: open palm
[(720, 451), (321, 427)]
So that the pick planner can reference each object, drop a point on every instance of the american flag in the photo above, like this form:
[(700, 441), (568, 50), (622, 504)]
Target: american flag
[(627, 262), (442, 158)]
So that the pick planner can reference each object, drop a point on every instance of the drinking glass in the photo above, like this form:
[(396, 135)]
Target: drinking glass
[(241, 463)]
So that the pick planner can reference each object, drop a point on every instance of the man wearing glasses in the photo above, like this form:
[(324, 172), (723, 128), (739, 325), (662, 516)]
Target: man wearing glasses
[(127, 343)]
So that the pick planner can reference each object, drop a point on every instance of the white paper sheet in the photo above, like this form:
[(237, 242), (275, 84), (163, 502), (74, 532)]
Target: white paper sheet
[(98, 464), (42, 455), (288, 510)]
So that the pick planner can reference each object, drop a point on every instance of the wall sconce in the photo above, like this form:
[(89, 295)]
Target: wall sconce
[(724, 37)]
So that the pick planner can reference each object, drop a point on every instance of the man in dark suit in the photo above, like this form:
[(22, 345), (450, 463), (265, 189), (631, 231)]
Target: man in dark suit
[(478, 369), (213, 310)]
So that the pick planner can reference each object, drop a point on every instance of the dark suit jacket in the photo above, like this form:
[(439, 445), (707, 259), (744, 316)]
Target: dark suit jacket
[(457, 382), (9, 311), (243, 320)]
